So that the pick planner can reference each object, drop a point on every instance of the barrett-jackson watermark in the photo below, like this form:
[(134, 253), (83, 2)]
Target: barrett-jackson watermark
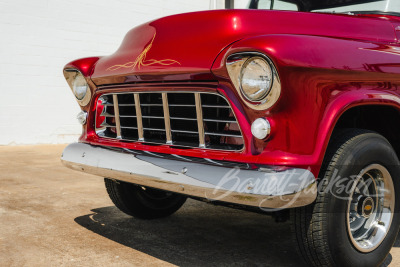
[(286, 187)]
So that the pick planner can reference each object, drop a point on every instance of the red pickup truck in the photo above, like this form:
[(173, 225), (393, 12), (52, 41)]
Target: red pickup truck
[(291, 108)]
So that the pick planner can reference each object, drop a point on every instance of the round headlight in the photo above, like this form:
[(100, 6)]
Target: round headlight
[(256, 78), (80, 86)]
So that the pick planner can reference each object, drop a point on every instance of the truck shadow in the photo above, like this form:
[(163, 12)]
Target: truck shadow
[(200, 234)]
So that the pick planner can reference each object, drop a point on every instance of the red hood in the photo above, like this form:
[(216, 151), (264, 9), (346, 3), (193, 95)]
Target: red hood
[(184, 47)]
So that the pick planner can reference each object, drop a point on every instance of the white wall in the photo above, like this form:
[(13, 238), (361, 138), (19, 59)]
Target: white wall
[(37, 38)]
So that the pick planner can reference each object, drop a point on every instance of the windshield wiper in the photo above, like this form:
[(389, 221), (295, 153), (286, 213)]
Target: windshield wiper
[(375, 12)]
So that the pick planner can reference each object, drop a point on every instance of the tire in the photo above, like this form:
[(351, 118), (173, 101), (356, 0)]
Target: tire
[(336, 230), (143, 203)]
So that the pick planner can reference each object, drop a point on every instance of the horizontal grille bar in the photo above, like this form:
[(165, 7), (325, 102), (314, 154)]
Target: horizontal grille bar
[(182, 131), (182, 105), (107, 115), (151, 105), (224, 134), (187, 119), (212, 106), (216, 120), (104, 124)]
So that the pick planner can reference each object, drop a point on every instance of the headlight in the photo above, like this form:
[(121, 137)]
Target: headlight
[(79, 86), (255, 79)]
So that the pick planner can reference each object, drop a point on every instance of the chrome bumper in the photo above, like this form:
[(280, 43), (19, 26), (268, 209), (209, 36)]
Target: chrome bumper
[(262, 187)]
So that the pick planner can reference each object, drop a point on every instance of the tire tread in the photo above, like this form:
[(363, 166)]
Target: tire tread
[(309, 223)]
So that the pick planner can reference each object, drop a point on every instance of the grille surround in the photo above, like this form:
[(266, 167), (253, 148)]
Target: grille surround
[(175, 119)]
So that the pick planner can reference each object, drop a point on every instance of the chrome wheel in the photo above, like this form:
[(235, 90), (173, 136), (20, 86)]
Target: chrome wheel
[(370, 208)]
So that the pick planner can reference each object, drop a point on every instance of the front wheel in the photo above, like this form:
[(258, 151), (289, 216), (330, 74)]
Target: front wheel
[(355, 219), (142, 202)]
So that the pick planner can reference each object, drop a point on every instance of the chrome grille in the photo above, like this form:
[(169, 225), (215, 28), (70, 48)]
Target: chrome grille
[(186, 119)]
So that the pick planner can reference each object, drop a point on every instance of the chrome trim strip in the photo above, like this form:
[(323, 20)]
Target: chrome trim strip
[(226, 121), (153, 129), (184, 119), (214, 106), (108, 115), (105, 124), (200, 123), (144, 128), (139, 117), (262, 187), (153, 117), (151, 105), (167, 121), (129, 127), (224, 134), (127, 116), (184, 131), (116, 112), (182, 105)]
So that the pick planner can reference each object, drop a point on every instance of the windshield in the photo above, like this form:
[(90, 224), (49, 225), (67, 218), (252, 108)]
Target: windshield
[(383, 6), (271, 4), (338, 6)]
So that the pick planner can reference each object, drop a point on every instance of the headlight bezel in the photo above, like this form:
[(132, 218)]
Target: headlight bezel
[(245, 71), (71, 76), (234, 65)]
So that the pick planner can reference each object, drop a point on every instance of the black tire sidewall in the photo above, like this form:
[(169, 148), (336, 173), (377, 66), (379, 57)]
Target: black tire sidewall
[(366, 150), (130, 199), (166, 203)]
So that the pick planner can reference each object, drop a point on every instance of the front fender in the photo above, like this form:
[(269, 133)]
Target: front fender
[(321, 78)]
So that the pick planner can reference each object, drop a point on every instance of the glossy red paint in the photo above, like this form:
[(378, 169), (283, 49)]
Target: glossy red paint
[(99, 119), (85, 66), (195, 39), (327, 64), (318, 85)]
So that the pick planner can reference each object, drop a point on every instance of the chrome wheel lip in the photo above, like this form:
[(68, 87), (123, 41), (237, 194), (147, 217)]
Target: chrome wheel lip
[(377, 223)]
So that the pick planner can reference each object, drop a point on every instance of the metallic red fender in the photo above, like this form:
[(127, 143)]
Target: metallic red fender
[(318, 86)]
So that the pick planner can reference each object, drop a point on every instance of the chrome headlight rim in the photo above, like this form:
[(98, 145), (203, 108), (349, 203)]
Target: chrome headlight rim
[(260, 99), (234, 64), (71, 75)]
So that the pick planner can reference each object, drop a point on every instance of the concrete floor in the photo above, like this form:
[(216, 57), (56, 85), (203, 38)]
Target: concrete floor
[(51, 216)]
